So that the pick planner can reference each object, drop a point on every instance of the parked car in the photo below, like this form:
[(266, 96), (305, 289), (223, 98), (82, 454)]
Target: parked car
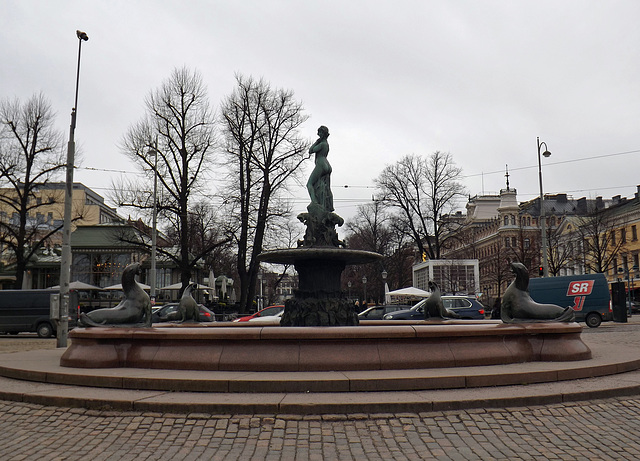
[(267, 311), (467, 307), (267, 319), (378, 312), (30, 311), (159, 314)]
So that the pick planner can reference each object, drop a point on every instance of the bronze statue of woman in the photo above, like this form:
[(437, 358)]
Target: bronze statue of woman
[(319, 183)]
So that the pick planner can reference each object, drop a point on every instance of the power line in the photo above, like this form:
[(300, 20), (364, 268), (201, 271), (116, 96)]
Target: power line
[(359, 186), (595, 157)]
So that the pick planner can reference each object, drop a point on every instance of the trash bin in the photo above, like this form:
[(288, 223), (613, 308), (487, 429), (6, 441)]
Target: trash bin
[(619, 302)]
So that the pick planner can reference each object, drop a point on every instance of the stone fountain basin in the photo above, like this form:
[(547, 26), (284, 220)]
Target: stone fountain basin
[(372, 345)]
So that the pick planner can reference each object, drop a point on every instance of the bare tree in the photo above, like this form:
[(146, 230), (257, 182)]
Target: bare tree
[(174, 140), (368, 230), (264, 150), (423, 191), (30, 155), (559, 254), (374, 229), (524, 248), (600, 245), (495, 270)]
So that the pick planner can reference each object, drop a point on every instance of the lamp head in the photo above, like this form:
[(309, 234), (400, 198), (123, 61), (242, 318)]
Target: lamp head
[(82, 35), (546, 154)]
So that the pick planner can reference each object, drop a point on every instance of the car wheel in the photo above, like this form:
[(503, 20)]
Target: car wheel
[(44, 330), (593, 320)]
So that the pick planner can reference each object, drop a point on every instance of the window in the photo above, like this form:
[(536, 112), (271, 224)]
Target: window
[(513, 220), (527, 243), (634, 233), (636, 262), (613, 237), (623, 235), (507, 242), (506, 220)]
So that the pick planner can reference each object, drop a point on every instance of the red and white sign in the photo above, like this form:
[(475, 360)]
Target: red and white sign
[(580, 288)]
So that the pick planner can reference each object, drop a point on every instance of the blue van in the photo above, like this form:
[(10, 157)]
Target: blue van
[(587, 294)]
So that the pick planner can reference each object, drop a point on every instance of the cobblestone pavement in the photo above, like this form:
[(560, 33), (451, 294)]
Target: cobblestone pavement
[(602, 430), (594, 430)]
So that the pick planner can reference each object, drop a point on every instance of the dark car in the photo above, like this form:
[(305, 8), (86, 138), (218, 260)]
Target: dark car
[(159, 314), (377, 312), (30, 311), (467, 307)]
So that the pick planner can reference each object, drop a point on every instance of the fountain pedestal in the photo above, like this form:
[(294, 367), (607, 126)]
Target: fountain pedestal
[(319, 300)]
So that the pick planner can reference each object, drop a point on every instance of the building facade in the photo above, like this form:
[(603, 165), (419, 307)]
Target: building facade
[(454, 276), (498, 230), (44, 223)]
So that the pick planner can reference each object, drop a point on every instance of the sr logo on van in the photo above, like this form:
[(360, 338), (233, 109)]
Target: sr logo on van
[(579, 290)]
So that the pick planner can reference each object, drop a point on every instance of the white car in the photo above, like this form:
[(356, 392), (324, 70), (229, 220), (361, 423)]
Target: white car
[(267, 319)]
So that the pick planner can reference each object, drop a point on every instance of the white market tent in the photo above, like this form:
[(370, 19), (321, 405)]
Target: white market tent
[(118, 287), (76, 285), (177, 286), (409, 292)]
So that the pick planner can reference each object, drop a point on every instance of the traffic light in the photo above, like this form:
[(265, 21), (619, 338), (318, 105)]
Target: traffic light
[(540, 271)]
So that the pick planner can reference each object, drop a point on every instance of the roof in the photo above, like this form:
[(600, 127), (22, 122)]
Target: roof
[(106, 236)]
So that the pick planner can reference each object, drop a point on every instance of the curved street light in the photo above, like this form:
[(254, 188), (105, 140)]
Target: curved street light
[(543, 223), (65, 263)]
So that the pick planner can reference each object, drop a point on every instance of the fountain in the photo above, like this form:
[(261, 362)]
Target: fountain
[(319, 329), (320, 257)]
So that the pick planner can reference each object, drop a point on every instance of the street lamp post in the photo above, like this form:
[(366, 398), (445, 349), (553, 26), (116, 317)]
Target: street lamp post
[(260, 299), (543, 224), (364, 284), (384, 286), (154, 232), (65, 263)]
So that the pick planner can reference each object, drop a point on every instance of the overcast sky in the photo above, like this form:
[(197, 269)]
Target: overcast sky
[(478, 79)]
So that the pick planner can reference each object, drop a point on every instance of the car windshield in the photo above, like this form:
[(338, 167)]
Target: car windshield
[(373, 311), (418, 307), (270, 311), (169, 308)]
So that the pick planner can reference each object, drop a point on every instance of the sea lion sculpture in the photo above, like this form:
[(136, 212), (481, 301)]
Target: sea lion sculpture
[(434, 307), (133, 310), (187, 308), (517, 305)]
